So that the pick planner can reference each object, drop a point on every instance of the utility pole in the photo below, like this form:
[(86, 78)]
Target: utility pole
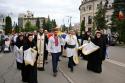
[(70, 25)]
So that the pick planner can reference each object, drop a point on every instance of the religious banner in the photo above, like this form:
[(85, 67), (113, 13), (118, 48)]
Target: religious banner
[(30, 56), (88, 48), (19, 54)]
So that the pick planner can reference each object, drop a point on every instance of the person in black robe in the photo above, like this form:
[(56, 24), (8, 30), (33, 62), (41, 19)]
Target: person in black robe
[(19, 43), (45, 47), (95, 59), (105, 45), (29, 73), (79, 38)]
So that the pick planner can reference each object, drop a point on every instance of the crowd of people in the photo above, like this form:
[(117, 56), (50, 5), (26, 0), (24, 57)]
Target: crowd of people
[(54, 43)]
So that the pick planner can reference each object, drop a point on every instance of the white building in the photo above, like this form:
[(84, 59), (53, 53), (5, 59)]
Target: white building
[(29, 16), (76, 26), (88, 8), (2, 22)]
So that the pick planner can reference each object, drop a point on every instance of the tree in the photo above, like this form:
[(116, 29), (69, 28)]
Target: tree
[(64, 28), (99, 18), (49, 24), (118, 19), (29, 27), (44, 24), (38, 23), (82, 28), (53, 23), (8, 25), (17, 29)]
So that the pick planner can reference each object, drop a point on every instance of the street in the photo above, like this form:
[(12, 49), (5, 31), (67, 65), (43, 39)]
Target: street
[(113, 70)]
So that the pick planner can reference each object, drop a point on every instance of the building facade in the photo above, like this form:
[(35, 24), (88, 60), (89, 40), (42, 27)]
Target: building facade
[(29, 16), (88, 8), (2, 22)]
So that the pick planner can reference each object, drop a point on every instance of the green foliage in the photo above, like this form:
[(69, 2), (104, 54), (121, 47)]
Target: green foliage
[(38, 23), (53, 23), (99, 19), (48, 25), (64, 28), (44, 24), (119, 25), (8, 25), (82, 28), (29, 27), (17, 29)]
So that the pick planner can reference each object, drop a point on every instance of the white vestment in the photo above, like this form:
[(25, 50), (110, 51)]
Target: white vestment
[(71, 40), (40, 48)]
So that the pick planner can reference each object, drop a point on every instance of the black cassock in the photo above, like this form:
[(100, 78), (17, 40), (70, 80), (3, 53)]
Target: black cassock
[(29, 73), (95, 59)]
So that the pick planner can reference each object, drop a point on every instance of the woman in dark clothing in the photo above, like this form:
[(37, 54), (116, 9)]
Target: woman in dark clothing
[(29, 73), (105, 44), (45, 47), (19, 43), (95, 59)]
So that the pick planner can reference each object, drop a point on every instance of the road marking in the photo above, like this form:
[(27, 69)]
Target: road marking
[(66, 76), (116, 62)]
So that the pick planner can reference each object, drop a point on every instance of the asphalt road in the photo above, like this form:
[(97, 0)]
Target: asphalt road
[(113, 70)]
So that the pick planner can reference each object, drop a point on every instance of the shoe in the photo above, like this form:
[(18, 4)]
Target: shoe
[(71, 70), (54, 74), (24, 81), (46, 62), (41, 69), (68, 66)]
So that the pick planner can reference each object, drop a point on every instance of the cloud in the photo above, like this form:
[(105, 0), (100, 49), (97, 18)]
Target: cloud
[(57, 9)]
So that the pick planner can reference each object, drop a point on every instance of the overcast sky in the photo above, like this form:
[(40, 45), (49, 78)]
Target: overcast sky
[(58, 9)]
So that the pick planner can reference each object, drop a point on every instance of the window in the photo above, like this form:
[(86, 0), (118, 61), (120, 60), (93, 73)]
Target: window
[(97, 6), (84, 9), (110, 6), (3, 20), (90, 7), (89, 20), (84, 19)]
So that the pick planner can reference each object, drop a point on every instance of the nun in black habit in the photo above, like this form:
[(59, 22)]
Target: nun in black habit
[(29, 73), (95, 59)]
